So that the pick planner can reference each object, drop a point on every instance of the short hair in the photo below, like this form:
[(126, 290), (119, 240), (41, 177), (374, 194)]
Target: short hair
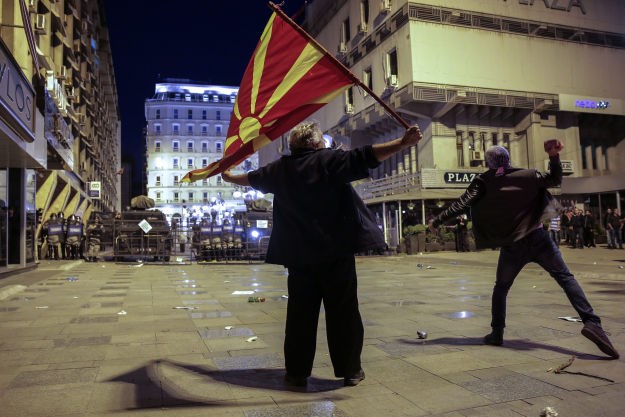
[(305, 136), (497, 157)]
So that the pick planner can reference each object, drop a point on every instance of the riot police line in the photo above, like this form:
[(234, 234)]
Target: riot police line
[(67, 239)]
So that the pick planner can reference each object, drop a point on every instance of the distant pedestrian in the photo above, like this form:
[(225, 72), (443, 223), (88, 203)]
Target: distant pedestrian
[(589, 229), (507, 205), (554, 230)]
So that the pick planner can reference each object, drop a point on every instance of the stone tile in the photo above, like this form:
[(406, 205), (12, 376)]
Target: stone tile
[(54, 377), (271, 360), (319, 409), (511, 387)]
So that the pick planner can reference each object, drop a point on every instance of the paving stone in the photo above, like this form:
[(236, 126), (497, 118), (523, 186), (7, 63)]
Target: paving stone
[(511, 387), (54, 377), (317, 409)]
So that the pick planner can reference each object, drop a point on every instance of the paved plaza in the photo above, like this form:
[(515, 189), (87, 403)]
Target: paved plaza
[(104, 339)]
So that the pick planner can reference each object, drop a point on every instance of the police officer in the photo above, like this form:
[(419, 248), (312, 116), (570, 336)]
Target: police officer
[(63, 221), (216, 247), (74, 237), (83, 240), (94, 234), (239, 239), (227, 238), (42, 233), (204, 237), (54, 231)]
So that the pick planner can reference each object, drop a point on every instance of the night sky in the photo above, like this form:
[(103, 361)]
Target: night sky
[(204, 40)]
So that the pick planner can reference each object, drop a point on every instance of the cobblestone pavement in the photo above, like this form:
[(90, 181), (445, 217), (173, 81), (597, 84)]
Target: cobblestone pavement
[(105, 339)]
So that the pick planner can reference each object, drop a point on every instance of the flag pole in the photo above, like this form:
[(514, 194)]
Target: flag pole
[(339, 64)]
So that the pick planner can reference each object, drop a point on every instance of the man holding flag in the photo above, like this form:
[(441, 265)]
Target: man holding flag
[(319, 223)]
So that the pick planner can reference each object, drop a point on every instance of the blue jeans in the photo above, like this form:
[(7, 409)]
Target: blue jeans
[(536, 247)]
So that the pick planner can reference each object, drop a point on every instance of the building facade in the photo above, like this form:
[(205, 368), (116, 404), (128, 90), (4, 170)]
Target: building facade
[(187, 123), (60, 132), (473, 74)]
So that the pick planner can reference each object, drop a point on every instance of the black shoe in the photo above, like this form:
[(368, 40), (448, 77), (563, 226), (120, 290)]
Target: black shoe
[(494, 338), (295, 381), (355, 379), (596, 335)]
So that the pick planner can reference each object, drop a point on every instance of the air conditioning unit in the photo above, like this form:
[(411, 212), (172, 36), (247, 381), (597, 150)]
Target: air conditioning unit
[(386, 6), (342, 49), (40, 23), (349, 108), (392, 80), (362, 28), (477, 156)]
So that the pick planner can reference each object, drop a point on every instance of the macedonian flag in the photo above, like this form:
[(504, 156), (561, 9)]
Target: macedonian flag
[(288, 78)]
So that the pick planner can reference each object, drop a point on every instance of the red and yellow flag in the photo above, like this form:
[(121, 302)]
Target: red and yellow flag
[(288, 78)]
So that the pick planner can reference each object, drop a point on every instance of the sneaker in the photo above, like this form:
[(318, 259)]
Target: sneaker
[(295, 381), (355, 379), (493, 339), (596, 334)]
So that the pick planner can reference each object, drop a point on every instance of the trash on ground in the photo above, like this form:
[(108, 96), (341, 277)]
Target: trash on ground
[(229, 327), (137, 266), (620, 267), (252, 339), (256, 300), (284, 296), (548, 412), (242, 292), (562, 367), (422, 334), (185, 308), (121, 313), (226, 281), (72, 279), (41, 307), (533, 286), (453, 263), (569, 318), (75, 296)]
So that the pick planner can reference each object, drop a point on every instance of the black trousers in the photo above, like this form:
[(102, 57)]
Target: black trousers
[(335, 284)]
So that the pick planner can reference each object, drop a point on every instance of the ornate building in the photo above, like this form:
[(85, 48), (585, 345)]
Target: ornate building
[(60, 140), (186, 129)]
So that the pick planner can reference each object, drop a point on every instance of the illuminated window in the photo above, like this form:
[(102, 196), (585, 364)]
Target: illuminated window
[(175, 164), (367, 79), (157, 146)]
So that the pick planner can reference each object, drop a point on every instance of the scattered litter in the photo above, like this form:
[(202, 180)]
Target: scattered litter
[(72, 279), (284, 296), (420, 253), (229, 327), (594, 263), (422, 334), (256, 300), (179, 259), (453, 263), (41, 307), (121, 313), (226, 281), (103, 266), (185, 308), (569, 318), (533, 286), (422, 266), (620, 267), (549, 412), (252, 339), (242, 292), (561, 367), (138, 266), (429, 267)]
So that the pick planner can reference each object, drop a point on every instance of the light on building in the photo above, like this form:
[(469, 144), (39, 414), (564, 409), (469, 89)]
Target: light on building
[(158, 163)]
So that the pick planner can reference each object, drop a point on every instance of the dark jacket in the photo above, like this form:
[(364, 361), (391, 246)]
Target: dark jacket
[(508, 207), (317, 216)]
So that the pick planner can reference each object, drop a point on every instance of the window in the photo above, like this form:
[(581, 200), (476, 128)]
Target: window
[(205, 197), (218, 146), (176, 129), (349, 101), (158, 181), (204, 162), (459, 149), (176, 180), (157, 146), (391, 68), (367, 79), (190, 146), (158, 114), (175, 164), (506, 141), (158, 196), (175, 145), (189, 114), (204, 130), (204, 114), (218, 115), (218, 179), (191, 196), (189, 162), (345, 32), (205, 182), (176, 196), (215, 98), (204, 98), (189, 130), (175, 113), (157, 129), (187, 97), (217, 130), (364, 16), (204, 147)]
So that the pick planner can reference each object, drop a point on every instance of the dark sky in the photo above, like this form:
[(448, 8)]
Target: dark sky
[(203, 40)]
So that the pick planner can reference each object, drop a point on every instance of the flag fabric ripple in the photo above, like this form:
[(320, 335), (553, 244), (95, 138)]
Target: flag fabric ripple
[(287, 79)]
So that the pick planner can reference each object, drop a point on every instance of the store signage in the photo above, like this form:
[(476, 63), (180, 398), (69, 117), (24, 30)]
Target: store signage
[(16, 96), (592, 104), (94, 189), (589, 104), (459, 177), (564, 5)]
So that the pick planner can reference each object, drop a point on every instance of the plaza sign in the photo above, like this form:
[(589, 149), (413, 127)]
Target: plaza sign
[(564, 5), (16, 97)]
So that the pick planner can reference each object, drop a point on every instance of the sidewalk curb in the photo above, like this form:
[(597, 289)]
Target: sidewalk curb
[(11, 290)]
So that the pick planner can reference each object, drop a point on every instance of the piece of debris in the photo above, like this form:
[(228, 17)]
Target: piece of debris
[(252, 339), (569, 318), (229, 327), (284, 296), (256, 300), (121, 313), (185, 308), (549, 412), (242, 292), (562, 367), (41, 307), (422, 334)]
